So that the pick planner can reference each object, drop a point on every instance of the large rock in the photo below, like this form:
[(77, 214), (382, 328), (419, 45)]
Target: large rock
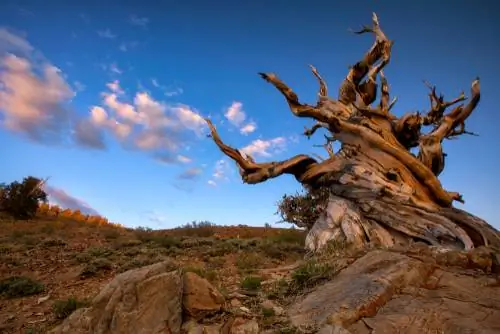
[(147, 300), (390, 292), (200, 297)]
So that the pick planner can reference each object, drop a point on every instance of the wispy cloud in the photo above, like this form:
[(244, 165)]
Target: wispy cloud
[(128, 45), (265, 148), (67, 201), (107, 33), (79, 87), (236, 116), (139, 21), (167, 90), (221, 170), (248, 128), (190, 173), (168, 158), (11, 42)]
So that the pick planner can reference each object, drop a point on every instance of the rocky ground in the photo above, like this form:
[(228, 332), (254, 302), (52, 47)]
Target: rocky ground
[(66, 277), (61, 264)]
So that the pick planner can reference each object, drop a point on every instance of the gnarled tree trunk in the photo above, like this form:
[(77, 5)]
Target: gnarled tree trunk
[(379, 192)]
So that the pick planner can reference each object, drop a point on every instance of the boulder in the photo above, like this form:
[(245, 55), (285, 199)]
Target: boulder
[(147, 300)]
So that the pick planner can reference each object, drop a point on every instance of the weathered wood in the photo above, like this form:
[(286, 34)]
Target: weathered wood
[(379, 192)]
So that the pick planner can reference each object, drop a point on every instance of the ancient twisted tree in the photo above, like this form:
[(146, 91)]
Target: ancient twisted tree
[(379, 192)]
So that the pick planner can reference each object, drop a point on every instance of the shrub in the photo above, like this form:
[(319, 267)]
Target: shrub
[(310, 273), (95, 267), (21, 199), (303, 209), (251, 283), (63, 308), (248, 261), (202, 229), (20, 286)]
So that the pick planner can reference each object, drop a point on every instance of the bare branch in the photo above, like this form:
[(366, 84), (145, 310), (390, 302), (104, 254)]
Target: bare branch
[(297, 108), (438, 105), (430, 149), (323, 88), (328, 146), (310, 131), (381, 50), (304, 168)]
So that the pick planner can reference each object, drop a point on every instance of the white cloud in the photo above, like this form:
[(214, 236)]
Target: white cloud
[(139, 21), (236, 116), (221, 169), (265, 148), (235, 113), (106, 34), (33, 98), (147, 124), (128, 45), (248, 128), (114, 86)]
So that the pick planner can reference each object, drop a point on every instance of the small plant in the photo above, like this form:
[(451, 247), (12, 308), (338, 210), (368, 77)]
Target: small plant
[(248, 262), (251, 283), (54, 243), (268, 312), (310, 273), (20, 286), (63, 308), (210, 275), (95, 267)]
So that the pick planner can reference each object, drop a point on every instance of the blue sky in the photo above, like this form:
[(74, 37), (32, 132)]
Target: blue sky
[(82, 71)]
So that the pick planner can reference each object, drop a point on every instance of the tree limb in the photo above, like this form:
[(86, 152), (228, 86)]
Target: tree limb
[(430, 149), (304, 168), (381, 50)]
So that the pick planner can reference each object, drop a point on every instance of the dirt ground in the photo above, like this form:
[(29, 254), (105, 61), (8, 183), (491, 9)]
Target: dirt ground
[(66, 262)]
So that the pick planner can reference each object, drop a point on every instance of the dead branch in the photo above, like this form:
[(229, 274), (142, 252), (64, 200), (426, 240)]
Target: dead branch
[(304, 168), (308, 132), (438, 105), (430, 148), (323, 88), (328, 146), (381, 50)]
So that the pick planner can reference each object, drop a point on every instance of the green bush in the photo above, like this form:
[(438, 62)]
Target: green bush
[(251, 283), (63, 308), (20, 286)]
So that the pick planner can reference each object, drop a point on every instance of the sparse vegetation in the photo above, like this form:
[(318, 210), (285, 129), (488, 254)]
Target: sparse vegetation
[(96, 267), (20, 286), (251, 283), (63, 308), (310, 274)]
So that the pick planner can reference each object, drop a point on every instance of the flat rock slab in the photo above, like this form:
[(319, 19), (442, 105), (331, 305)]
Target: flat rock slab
[(388, 292)]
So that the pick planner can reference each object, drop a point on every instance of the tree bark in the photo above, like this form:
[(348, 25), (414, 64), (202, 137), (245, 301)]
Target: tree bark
[(379, 192)]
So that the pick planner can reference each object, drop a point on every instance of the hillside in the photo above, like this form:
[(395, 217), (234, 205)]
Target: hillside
[(70, 260)]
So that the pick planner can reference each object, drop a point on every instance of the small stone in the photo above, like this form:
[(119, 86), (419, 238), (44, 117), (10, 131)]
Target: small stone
[(235, 302), (278, 310), (243, 326)]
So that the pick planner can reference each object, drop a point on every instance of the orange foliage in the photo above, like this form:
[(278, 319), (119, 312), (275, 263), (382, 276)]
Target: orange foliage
[(50, 210)]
